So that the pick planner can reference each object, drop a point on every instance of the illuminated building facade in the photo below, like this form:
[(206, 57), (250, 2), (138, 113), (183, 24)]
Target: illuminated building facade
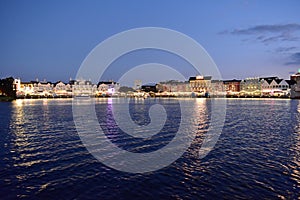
[(200, 84), (232, 87)]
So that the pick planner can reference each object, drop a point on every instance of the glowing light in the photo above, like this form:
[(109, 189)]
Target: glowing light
[(111, 90), (19, 102), (199, 77), (109, 101)]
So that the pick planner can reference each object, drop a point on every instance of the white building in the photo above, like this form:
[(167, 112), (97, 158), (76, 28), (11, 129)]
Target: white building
[(274, 86), (107, 88), (137, 84), (44, 89), (83, 88), (62, 89)]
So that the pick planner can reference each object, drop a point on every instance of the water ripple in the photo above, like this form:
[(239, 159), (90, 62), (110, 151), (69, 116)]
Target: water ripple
[(256, 157)]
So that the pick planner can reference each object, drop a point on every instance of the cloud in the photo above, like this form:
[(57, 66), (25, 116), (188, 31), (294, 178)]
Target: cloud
[(286, 38), (285, 49), (268, 34), (294, 59), (279, 28)]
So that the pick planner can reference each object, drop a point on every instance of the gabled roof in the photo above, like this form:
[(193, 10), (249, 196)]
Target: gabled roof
[(269, 79), (48, 82), (278, 81), (60, 82), (106, 83), (192, 78), (291, 82)]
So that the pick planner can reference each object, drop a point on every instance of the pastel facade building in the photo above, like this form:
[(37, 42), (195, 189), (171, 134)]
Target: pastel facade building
[(62, 89), (175, 86), (251, 87), (83, 88), (217, 88), (200, 84), (232, 87)]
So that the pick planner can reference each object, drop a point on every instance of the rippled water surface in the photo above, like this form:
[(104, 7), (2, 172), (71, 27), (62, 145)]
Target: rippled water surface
[(256, 157)]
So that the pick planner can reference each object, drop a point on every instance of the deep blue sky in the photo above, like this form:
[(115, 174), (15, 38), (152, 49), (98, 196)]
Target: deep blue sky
[(50, 39)]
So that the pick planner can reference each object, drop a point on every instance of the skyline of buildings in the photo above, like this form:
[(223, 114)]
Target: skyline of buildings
[(195, 85)]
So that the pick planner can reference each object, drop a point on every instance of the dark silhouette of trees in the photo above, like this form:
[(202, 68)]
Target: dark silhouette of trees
[(7, 87), (126, 89)]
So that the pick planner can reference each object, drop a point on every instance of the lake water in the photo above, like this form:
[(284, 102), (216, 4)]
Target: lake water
[(256, 157)]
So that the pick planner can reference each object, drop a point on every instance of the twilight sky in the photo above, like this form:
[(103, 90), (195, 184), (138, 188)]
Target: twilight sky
[(50, 39)]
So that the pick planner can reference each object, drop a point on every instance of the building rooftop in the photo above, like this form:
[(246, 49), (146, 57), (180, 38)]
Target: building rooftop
[(193, 78), (149, 85), (233, 80)]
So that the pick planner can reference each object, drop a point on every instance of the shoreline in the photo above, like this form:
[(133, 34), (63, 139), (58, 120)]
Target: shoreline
[(8, 99)]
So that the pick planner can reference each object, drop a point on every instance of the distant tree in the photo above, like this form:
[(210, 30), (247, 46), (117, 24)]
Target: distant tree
[(7, 87), (126, 89)]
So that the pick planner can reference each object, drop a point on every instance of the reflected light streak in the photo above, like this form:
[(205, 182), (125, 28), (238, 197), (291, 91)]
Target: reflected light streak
[(18, 102), (296, 148), (201, 118)]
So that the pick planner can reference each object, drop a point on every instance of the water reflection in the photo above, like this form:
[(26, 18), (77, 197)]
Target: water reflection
[(42, 141), (24, 126), (190, 169), (257, 154), (296, 149)]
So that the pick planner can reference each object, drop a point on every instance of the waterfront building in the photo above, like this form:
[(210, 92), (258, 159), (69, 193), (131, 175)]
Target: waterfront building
[(251, 87), (33, 89), (24, 89), (268, 84), (274, 86), (280, 87), (232, 87), (196, 86), (42, 89), (151, 87), (137, 84), (62, 89), (82, 88), (103, 87), (200, 84), (295, 85), (175, 88), (217, 88), (17, 83), (107, 88), (102, 90)]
